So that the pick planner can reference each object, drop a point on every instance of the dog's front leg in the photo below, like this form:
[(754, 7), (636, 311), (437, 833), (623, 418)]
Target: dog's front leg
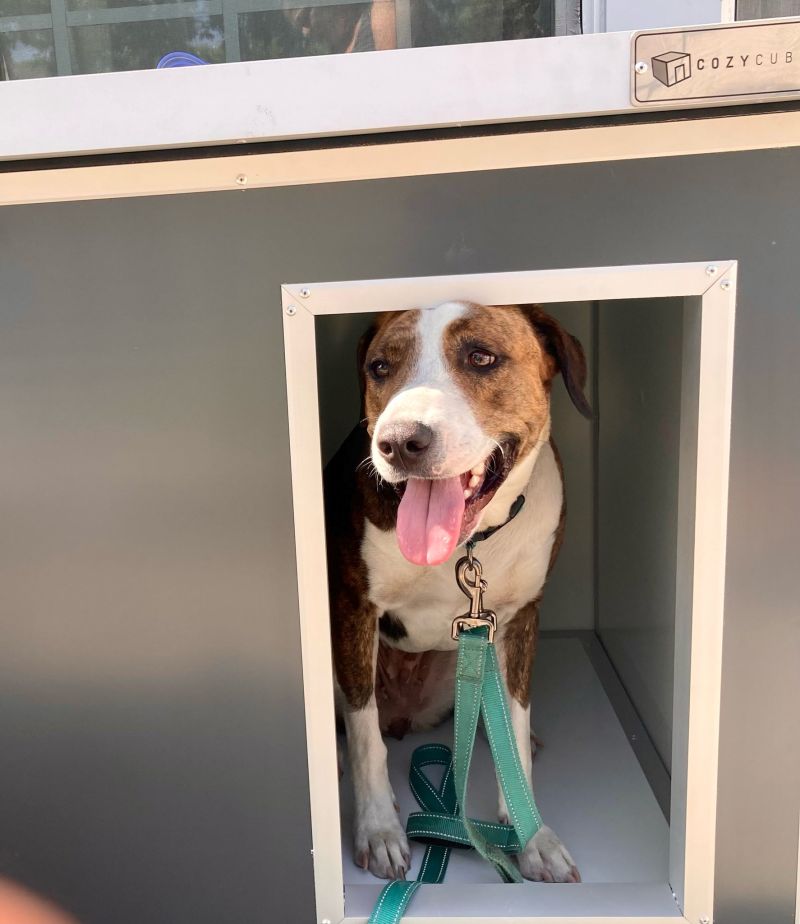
[(380, 842), (544, 858)]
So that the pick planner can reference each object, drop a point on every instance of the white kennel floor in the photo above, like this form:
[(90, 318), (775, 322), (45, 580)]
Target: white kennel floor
[(588, 783)]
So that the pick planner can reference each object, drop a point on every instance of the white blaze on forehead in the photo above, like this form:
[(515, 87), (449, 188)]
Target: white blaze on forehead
[(431, 367), (432, 397)]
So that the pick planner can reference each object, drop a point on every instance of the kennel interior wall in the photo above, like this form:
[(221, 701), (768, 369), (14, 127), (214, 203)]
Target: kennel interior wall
[(615, 575), (153, 762)]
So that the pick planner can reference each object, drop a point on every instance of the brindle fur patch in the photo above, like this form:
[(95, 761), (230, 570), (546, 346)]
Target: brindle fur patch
[(510, 398), (558, 539), (347, 477), (522, 632), (520, 638), (394, 340), (353, 618)]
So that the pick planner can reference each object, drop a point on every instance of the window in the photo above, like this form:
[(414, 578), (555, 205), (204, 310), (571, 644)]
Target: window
[(44, 38), (766, 9)]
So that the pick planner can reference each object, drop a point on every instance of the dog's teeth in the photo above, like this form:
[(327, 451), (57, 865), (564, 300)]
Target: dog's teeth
[(467, 494), (474, 481), (479, 469)]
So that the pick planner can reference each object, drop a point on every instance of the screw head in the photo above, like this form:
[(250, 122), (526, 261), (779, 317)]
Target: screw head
[(711, 271), (291, 310), (325, 921), (304, 292), (704, 920), (241, 179), (641, 67), (725, 285)]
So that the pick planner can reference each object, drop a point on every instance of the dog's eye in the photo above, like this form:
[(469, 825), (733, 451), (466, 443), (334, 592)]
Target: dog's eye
[(481, 358), (379, 368)]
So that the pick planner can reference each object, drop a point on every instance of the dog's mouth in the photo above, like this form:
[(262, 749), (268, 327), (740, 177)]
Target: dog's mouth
[(435, 515)]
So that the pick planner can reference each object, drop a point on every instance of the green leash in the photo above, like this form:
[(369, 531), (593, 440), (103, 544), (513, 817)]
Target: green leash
[(443, 823)]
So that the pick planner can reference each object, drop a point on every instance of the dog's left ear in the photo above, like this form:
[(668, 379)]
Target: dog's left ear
[(565, 351)]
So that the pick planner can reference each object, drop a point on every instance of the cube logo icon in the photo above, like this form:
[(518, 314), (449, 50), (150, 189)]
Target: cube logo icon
[(672, 67)]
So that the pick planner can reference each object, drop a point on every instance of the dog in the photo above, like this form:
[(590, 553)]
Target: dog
[(455, 428)]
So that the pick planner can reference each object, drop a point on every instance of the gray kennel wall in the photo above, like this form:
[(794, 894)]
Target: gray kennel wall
[(638, 355), (152, 763)]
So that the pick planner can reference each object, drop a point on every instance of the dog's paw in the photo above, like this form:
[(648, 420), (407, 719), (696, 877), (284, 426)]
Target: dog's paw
[(546, 859), (381, 845)]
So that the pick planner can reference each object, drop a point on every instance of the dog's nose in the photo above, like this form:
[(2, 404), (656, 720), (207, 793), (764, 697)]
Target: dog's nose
[(404, 444)]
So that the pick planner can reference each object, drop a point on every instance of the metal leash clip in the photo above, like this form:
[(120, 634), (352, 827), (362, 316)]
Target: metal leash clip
[(469, 575)]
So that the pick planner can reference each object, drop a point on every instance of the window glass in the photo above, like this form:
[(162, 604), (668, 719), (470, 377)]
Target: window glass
[(9, 8), (322, 30), (41, 37), (27, 53), (766, 9), (137, 45), (139, 5), (453, 22)]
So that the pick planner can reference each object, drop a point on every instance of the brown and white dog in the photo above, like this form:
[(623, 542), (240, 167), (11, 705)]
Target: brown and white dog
[(456, 406)]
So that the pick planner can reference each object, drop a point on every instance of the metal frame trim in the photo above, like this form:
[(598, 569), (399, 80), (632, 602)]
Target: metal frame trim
[(402, 159), (703, 479), (399, 90)]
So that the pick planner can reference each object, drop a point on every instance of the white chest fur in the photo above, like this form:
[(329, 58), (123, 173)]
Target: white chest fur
[(515, 561)]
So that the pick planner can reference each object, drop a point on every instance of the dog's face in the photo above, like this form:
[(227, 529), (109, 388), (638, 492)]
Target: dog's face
[(455, 397)]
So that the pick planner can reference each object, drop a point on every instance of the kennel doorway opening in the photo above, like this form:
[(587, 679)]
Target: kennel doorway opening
[(606, 755)]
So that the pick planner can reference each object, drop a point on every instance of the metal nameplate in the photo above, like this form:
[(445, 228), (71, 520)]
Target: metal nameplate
[(737, 61)]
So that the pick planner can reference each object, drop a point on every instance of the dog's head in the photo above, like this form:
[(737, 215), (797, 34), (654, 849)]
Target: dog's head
[(456, 398)]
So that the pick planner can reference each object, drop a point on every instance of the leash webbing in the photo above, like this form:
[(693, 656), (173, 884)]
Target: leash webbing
[(443, 823)]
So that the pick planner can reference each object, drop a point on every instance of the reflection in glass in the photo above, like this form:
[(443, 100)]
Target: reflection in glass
[(456, 22), (139, 45), (24, 7), (323, 30), (766, 9), (207, 7), (118, 35), (29, 53)]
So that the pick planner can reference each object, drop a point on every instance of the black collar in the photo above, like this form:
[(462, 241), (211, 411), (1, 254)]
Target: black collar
[(484, 534)]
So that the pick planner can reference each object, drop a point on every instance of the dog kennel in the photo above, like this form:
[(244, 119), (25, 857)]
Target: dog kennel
[(188, 259), (640, 589)]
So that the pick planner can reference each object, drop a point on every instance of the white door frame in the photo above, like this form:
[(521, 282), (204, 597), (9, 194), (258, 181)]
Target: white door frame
[(700, 581)]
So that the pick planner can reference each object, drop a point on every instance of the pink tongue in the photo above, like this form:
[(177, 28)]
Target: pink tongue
[(429, 519)]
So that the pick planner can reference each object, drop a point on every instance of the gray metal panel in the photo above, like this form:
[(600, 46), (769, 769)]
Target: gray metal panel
[(149, 665), (168, 754), (568, 601), (639, 371)]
